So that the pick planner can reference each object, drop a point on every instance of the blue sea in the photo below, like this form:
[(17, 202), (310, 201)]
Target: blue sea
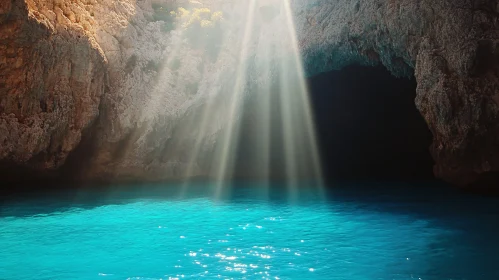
[(250, 231)]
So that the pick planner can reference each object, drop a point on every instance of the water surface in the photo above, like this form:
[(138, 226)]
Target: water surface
[(154, 233)]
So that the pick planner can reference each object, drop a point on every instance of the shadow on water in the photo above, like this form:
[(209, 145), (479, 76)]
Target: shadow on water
[(431, 201)]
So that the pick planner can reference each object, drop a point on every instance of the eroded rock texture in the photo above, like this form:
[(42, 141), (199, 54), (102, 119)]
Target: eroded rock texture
[(52, 76), (65, 63), (452, 48)]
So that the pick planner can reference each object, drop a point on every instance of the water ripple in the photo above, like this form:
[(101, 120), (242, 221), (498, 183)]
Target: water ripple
[(199, 238)]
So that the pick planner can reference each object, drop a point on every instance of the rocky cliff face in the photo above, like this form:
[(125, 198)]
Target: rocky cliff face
[(452, 47), (52, 77), (139, 77)]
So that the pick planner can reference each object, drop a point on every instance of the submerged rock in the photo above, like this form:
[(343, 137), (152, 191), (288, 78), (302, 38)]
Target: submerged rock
[(131, 77)]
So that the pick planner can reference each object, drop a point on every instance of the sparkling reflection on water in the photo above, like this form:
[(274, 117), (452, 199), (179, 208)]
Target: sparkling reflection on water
[(147, 233)]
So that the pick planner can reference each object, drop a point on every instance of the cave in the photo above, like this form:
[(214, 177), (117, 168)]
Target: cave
[(368, 127), (187, 139), (366, 123)]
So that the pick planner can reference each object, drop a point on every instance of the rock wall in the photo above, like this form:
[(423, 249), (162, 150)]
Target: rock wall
[(452, 47), (67, 64), (52, 76)]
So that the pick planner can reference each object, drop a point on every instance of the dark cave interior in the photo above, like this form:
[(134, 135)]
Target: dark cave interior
[(368, 126)]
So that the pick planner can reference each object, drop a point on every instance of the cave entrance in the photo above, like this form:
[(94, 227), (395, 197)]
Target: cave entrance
[(368, 127)]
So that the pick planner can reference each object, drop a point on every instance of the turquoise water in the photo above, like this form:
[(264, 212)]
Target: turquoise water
[(151, 233)]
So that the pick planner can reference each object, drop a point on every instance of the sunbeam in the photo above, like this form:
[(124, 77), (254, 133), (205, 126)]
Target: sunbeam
[(230, 137), (267, 60), (265, 117), (164, 76), (308, 118), (285, 98), (208, 111)]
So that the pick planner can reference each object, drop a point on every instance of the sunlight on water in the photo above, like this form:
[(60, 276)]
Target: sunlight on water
[(149, 235)]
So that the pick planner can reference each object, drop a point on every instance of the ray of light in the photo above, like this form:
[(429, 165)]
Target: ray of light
[(264, 119), (150, 109), (208, 112), (308, 118), (288, 129), (230, 137), (201, 126), (297, 119), (158, 96)]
